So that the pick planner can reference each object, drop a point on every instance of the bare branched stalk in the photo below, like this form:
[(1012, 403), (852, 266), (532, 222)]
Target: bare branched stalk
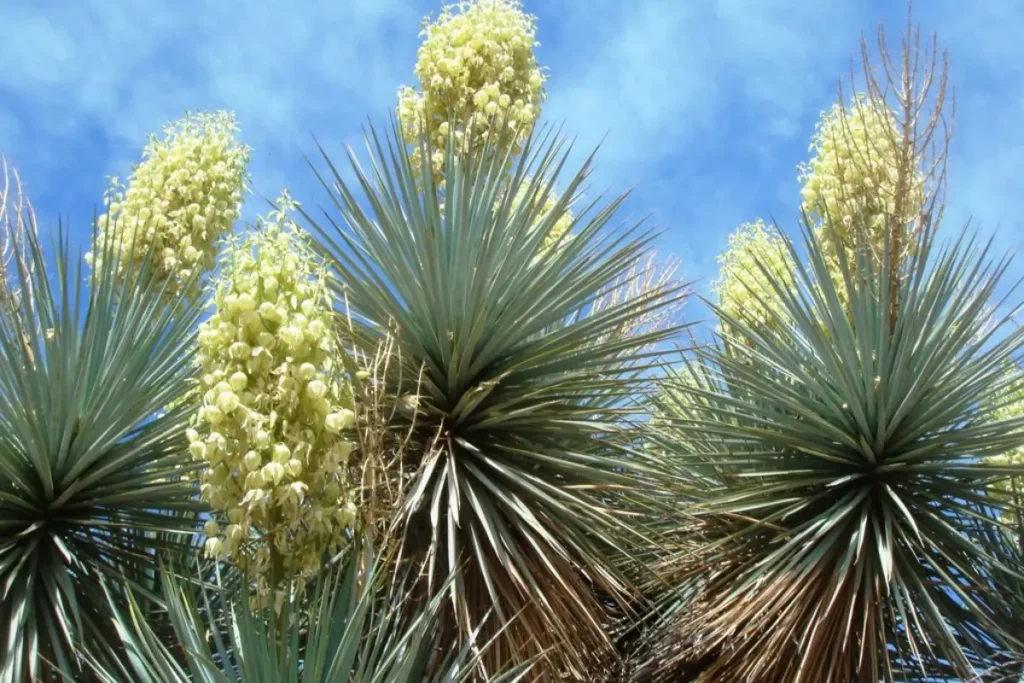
[(913, 91), (17, 226), (644, 279), (17, 220)]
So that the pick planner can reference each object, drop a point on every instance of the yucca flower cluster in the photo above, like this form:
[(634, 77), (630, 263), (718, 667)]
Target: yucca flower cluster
[(477, 66), (179, 200), (742, 288), (1010, 406), (560, 227), (851, 180), (275, 408)]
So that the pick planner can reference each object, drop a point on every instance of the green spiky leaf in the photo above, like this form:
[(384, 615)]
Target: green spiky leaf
[(523, 378), (839, 460), (91, 478)]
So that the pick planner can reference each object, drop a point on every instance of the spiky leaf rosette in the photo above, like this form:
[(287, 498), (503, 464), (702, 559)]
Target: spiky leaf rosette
[(521, 382), (91, 479), (846, 548), (357, 625)]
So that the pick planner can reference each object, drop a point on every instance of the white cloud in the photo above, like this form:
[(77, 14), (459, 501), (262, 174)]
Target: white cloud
[(708, 106), (125, 69), (656, 74)]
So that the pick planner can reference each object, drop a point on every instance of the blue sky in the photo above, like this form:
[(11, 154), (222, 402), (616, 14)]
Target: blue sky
[(708, 105)]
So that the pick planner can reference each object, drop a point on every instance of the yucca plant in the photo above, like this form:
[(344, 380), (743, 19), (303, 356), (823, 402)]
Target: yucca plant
[(90, 469), (848, 544), (354, 625), (521, 383)]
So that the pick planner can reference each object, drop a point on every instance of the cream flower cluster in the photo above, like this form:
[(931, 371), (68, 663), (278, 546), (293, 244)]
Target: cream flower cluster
[(742, 289), (477, 65), (1011, 408), (561, 226), (273, 429), (852, 178), (179, 200)]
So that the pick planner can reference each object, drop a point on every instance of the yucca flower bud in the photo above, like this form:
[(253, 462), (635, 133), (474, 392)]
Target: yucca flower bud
[(272, 463), (339, 421), (184, 195)]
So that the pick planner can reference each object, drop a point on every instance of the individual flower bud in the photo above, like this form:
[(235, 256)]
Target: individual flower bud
[(246, 303), (307, 371), (251, 321), (266, 340), (252, 460), (239, 350), (235, 534), (340, 420), (316, 389), (297, 491), (238, 381), (213, 414), (227, 330), (341, 451), (317, 330), (254, 480), (211, 528), (281, 453), (273, 471), (408, 404), (197, 449), (292, 336), (227, 402), (214, 547), (347, 514), (271, 314), (293, 467), (216, 441)]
